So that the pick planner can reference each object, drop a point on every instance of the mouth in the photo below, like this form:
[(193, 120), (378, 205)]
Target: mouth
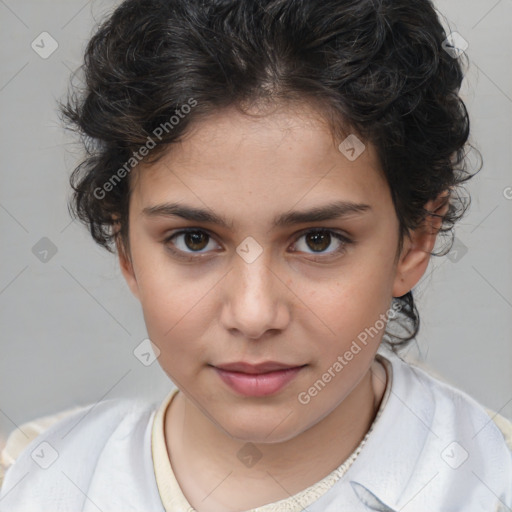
[(257, 380), (256, 369)]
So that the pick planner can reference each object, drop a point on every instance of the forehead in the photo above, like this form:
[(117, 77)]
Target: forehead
[(277, 159)]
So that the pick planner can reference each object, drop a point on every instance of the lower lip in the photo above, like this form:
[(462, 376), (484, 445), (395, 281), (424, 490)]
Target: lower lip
[(262, 384)]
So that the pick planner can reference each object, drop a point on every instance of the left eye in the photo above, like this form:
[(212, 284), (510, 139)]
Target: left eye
[(319, 240)]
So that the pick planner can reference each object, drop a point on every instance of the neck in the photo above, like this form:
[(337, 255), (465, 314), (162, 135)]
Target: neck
[(202, 455)]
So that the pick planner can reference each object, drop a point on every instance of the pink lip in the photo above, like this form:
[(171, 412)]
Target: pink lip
[(267, 366), (257, 384)]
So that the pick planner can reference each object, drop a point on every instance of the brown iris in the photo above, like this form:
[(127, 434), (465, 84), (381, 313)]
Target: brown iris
[(320, 240), (196, 240)]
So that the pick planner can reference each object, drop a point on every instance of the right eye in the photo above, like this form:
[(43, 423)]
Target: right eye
[(188, 242)]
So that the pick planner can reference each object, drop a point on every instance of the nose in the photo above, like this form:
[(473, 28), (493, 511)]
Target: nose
[(255, 299)]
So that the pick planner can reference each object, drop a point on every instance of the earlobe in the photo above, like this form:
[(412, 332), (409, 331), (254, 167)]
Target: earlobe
[(417, 247), (127, 268)]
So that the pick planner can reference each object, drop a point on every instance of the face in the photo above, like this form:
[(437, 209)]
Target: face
[(291, 260)]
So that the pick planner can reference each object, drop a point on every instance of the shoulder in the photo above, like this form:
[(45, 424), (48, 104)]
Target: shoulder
[(439, 430), (440, 387), (454, 404), (19, 438), (504, 425), (84, 429), (461, 427)]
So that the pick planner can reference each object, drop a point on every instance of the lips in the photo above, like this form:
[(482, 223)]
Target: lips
[(257, 380), (255, 369)]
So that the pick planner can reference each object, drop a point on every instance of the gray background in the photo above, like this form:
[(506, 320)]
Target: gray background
[(70, 324)]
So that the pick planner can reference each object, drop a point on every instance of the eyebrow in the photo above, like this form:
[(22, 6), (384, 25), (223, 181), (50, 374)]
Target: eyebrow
[(330, 211)]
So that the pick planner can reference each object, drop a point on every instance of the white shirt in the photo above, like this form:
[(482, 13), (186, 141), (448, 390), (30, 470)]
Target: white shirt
[(432, 448)]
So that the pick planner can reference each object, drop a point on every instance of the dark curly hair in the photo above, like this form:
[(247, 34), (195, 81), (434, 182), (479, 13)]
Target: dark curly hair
[(376, 67)]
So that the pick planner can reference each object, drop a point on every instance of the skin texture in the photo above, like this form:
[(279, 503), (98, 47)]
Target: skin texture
[(284, 306)]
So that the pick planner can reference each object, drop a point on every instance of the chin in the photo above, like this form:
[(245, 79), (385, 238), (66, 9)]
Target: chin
[(259, 432)]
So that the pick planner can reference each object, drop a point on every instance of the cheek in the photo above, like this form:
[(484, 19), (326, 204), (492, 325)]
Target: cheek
[(173, 306), (166, 290), (353, 305), (176, 325), (174, 312)]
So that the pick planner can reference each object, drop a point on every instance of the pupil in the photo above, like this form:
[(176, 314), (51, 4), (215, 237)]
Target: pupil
[(193, 239), (321, 238)]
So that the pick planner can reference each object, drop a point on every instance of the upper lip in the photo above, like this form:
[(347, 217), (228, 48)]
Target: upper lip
[(267, 366)]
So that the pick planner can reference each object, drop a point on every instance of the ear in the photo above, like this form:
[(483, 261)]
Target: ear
[(416, 250), (126, 266)]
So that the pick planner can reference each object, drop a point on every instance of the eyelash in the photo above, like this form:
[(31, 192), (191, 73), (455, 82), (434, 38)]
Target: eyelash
[(345, 241)]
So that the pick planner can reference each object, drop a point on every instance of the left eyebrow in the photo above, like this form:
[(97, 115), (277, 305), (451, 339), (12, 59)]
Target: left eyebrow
[(330, 211)]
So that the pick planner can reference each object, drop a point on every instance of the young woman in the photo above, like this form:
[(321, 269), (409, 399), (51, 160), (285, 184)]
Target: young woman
[(274, 176)]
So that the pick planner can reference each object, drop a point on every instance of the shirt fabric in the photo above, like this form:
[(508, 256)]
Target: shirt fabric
[(431, 448)]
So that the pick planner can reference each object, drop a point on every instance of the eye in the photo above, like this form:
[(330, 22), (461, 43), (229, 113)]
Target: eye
[(190, 241), (193, 243), (318, 240)]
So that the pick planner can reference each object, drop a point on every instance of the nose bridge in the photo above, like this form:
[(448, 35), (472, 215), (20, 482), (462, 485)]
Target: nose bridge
[(253, 296), (253, 279)]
